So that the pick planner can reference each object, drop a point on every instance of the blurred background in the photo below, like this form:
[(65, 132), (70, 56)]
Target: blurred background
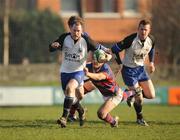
[(29, 74)]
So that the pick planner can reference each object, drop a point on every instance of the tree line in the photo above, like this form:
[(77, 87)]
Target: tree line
[(30, 34)]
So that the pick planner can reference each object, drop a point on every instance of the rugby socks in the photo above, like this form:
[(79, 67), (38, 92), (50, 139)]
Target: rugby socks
[(127, 93), (138, 109), (109, 119), (72, 111), (79, 108), (68, 101)]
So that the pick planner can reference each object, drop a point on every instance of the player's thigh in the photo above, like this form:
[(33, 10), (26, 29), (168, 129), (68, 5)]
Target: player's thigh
[(71, 87), (88, 86), (148, 89)]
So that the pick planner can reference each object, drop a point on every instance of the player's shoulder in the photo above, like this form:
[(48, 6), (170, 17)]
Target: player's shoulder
[(62, 38), (131, 37), (106, 67), (127, 41), (152, 38), (86, 37)]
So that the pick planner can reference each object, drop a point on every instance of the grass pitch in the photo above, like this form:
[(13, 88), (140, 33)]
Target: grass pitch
[(39, 123)]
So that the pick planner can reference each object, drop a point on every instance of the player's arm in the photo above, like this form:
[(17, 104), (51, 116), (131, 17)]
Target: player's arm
[(92, 45), (122, 45), (58, 43), (95, 76), (151, 55), (151, 60), (54, 46), (152, 51)]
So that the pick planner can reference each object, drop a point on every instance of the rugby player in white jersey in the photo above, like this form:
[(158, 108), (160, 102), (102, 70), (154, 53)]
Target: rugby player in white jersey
[(74, 46), (137, 46)]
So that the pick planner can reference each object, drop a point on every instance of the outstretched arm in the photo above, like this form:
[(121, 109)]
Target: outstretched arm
[(95, 76), (54, 46), (58, 43), (121, 45)]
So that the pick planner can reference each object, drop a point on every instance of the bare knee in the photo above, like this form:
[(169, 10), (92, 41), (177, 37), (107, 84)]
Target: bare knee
[(150, 95), (80, 93), (80, 97), (70, 91)]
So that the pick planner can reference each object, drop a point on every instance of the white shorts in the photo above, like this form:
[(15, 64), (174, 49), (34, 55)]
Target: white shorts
[(115, 99)]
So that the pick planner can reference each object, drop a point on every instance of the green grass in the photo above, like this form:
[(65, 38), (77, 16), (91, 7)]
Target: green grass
[(39, 123)]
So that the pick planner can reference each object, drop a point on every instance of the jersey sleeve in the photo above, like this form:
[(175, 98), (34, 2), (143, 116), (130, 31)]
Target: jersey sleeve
[(106, 71), (121, 45), (92, 45), (89, 66), (60, 40), (152, 51)]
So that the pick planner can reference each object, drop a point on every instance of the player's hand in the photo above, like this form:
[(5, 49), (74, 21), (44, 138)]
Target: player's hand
[(151, 67), (86, 71), (108, 51), (55, 45)]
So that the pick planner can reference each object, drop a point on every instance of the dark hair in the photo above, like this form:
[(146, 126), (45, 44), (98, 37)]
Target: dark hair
[(75, 20), (144, 22)]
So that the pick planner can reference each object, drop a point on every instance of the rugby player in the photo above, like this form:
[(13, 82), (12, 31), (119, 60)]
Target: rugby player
[(101, 77), (136, 47), (74, 46)]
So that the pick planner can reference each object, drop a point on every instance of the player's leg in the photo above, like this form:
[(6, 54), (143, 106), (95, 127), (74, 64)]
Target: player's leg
[(148, 92), (68, 101), (69, 96), (87, 87), (135, 91), (148, 89), (72, 116), (109, 104), (70, 82), (138, 106), (77, 105), (137, 103), (130, 79)]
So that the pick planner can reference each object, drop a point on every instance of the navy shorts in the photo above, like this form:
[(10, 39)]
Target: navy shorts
[(133, 75), (66, 77)]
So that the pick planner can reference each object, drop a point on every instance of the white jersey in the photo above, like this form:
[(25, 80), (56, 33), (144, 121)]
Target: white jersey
[(74, 53), (135, 50), (135, 55)]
